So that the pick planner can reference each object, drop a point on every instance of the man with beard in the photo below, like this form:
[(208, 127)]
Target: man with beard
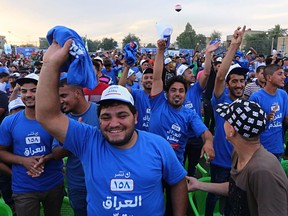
[(31, 143), (233, 77), (193, 101), (123, 167), (170, 119), (74, 104), (141, 97)]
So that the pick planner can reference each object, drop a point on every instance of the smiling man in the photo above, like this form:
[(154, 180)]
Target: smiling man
[(31, 143), (233, 79), (170, 119), (123, 167), (141, 97)]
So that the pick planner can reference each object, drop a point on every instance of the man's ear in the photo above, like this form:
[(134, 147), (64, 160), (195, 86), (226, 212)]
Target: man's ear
[(229, 130)]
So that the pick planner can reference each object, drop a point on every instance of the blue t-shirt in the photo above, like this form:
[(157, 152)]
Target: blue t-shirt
[(29, 138), (272, 138), (135, 85), (113, 74), (74, 170), (193, 100), (142, 104), (174, 124), (223, 149), (123, 181)]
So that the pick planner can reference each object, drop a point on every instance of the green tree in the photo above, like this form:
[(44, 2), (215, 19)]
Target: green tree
[(93, 46), (108, 43), (201, 39), (130, 37), (260, 42), (43, 43), (215, 34), (188, 38), (151, 45), (276, 32)]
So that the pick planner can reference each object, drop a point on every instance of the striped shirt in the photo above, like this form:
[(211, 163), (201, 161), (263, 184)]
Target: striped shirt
[(251, 88)]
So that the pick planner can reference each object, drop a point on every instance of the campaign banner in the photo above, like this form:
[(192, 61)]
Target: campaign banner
[(26, 51), (7, 49), (148, 50)]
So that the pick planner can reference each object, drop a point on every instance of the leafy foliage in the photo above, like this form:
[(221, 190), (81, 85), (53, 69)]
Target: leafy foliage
[(130, 37)]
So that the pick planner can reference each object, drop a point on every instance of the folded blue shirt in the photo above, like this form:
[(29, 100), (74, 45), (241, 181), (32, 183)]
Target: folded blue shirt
[(79, 65)]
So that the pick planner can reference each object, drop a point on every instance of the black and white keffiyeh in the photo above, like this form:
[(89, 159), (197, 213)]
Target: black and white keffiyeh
[(247, 117)]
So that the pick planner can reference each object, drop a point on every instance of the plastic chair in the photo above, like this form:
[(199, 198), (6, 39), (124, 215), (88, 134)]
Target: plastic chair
[(5, 209), (203, 172), (197, 200), (284, 164), (66, 209)]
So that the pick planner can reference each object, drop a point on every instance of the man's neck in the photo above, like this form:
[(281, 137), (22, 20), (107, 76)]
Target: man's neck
[(245, 152), (270, 89), (147, 91), (82, 107), (30, 113)]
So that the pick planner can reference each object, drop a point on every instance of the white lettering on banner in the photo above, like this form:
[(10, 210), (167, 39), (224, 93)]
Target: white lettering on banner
[(30, 152), (117, 205), (122, 185)]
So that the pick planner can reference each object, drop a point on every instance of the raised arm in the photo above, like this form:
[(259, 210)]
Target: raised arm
[(48, 112), (157, 85), (226, 63), (123, 78), (207, 64)]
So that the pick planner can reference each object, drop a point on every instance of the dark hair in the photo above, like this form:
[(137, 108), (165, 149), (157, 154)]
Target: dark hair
[(216, 63), (107, 62), (270, 69), (96, 64), (109, 103), (63, 82), (268, 60), (3, 74), (174, 79), (236, 71), (278, 60)]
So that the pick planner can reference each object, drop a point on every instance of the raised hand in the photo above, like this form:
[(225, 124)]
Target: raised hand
[(211, 48), (238, 36), (55, 56), (161, 44)]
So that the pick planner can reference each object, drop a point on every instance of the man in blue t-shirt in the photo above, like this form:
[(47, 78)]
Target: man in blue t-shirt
[(274, 102), (31, 143), (193, 149), (233, 78), (74, 104), (123, 167), (141, 97), (170, 119)]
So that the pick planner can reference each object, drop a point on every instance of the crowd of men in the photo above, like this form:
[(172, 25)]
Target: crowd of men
[(128, 138)]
